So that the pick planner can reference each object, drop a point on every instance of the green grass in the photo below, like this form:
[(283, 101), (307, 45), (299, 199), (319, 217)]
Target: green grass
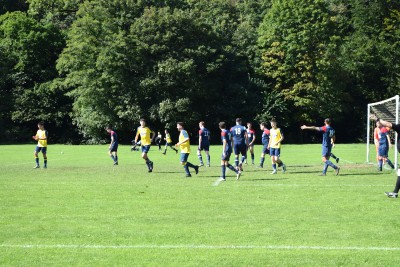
[(84, 211)]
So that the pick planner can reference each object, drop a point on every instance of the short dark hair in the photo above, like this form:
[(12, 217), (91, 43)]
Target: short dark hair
[(142, 119), (263, 124), (202, 123), (108, 127), (181, 123), (41, 123), (273, 120), (328, 120), (222, 125), (238, 119)]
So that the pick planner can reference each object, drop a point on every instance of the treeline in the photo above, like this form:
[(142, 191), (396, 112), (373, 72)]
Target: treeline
[(79, 65)]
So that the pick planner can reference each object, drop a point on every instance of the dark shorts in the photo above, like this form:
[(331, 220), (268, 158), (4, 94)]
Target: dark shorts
[(43, 149), (383, 151), (114, 148), (168, 144), (326, 151), (227, 155), (265, 149), (240, 149), (145, 149), (275, 152), (205, 147), (184, 157)]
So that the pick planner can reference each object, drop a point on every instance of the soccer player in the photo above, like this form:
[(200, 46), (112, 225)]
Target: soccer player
[(251, 136), (184, 144), (376, 140), (146, 135), (328, 133), (204, 143), (158, 140), (226, 137), (274, 145), (113, 148), (265, 143), (384, 144), (240, 142), (396, 128), (41, 136), (168, 142)]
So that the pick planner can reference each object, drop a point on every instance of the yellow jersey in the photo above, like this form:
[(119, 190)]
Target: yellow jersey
[(168, 138), (185, 147), (145, 135), (42, 135), (275, 136)]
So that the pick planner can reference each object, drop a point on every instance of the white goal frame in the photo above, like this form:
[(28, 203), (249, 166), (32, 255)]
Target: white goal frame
[(385, 117)]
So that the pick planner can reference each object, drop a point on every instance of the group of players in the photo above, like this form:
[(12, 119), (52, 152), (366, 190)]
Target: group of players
[(239, 140)]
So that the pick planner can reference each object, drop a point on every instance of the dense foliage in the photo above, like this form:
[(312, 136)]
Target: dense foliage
[(82, 64)]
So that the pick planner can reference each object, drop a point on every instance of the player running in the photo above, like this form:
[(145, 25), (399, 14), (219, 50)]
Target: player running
[(240, 142), (184, 144), (41, 136), (328, 133), (226, 138), (204, 143), (158, 140), (113, 148), (251, 136), (168, 142), (265, 142), (146, 135), (274, 145)]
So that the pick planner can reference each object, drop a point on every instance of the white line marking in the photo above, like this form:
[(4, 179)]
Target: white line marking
[(271, 247), (315, 185)]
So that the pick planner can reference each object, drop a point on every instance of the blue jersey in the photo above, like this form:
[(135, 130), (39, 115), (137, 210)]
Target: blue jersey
[(114, 135), (265, 137), (250, 134), (327, 133), (238, 134), (205, 135), (226, 135), (383, 133)]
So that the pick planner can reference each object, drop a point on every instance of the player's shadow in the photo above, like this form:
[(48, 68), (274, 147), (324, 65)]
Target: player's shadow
[(305, 171), (171, 172), (267, 179), (362, 174)]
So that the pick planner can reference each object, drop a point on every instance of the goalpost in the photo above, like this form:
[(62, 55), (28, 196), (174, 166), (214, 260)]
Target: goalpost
[(387, 110)]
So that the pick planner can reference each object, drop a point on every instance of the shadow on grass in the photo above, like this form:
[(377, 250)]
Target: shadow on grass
[(267, 179)]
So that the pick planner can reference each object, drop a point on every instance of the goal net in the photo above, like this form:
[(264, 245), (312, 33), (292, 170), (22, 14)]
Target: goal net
[(387, 110)]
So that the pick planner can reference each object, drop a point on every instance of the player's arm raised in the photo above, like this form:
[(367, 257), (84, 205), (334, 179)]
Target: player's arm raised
[(304, 127), (382, 122)]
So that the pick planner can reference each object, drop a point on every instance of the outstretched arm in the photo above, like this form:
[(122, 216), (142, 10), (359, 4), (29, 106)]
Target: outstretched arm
[(304, 127), (383, 123)]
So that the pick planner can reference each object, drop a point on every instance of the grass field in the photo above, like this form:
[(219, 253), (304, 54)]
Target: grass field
[(84, 211)]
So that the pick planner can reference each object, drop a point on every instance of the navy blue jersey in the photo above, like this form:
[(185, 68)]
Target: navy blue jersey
[(265, 137), (226, 135), (114, 134), (238, 134), (205, 135), (383, 133), (327, 133), (250, 134)]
